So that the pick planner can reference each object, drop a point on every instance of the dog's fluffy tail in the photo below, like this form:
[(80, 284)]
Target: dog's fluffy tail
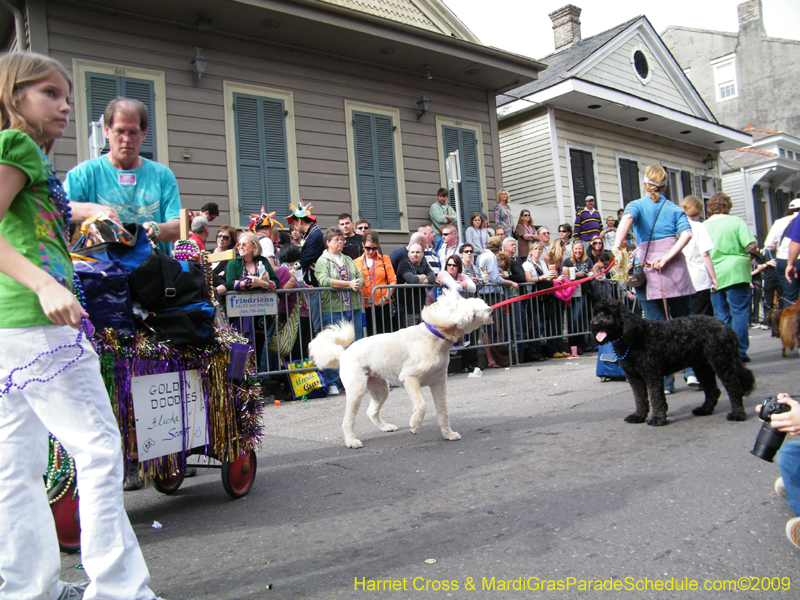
[(327, 347), (746, 379)]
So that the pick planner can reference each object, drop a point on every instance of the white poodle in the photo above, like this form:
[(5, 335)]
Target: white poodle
[(414, 357)]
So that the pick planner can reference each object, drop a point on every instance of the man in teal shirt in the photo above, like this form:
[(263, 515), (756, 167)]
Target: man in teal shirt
[(128, 187)]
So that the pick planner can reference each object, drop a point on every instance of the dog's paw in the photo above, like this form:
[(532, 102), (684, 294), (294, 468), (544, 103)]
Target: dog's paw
[(658, 421), (736, 416), (353, 443), (634, 418), (452, 436), (702, 411), (388, 427)]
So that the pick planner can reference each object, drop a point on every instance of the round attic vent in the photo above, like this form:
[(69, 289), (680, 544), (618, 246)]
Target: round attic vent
[(641, 65)]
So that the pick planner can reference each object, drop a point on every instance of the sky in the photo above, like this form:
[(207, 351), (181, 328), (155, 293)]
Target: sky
[(523, 27)]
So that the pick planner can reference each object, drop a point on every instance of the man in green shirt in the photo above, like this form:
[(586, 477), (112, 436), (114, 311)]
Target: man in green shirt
[(441, 214)]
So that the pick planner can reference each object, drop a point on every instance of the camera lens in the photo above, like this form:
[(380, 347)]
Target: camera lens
[(768, 442)]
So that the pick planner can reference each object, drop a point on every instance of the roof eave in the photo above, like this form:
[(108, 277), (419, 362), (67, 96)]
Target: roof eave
[(623, 109)]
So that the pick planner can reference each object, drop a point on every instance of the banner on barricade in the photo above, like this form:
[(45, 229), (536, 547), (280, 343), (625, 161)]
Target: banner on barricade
[(161, 421), (252, 305)]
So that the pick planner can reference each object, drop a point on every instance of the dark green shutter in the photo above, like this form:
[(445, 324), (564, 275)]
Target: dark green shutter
[(582, 167), (101, 89), (262, 158), (629, 179), (469, 190), (376, 174), (758, 209), (686, 184)]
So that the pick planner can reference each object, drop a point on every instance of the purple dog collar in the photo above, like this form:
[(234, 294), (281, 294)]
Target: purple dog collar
[(436, 332)]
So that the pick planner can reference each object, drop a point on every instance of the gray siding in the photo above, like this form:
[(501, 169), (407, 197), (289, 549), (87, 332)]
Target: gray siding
[(528, 173), (616, 71), (607, 139), (195, 115)]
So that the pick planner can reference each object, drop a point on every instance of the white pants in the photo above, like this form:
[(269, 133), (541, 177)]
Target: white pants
[(75, 407)]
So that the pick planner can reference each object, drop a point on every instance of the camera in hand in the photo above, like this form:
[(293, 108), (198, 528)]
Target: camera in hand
[(769, 440)]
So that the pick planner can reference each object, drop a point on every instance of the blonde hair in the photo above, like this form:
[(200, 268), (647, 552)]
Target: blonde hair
[(18, 70), (692, 206), (572, 251), (658, 178), (555, 253), (535, 245), (507, 195), (251, 238)]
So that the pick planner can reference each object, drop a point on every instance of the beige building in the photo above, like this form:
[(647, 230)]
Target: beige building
[(308, 99), (604, 109)]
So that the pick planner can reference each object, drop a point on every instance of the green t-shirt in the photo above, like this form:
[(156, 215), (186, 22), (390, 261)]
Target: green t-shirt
[(32, 225), (731, 261)]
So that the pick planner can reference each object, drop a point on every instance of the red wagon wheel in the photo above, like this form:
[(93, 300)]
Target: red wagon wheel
[(169, 484), (238, 476), (65, 515)]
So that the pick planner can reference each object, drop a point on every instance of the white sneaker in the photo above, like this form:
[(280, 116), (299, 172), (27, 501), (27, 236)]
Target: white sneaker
[(755, 326), (766, 327), (779, 488), (793, 531), (333, 390), (692, 381)]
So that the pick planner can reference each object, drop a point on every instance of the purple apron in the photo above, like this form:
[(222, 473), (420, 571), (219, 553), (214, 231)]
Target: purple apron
[(674, 279)]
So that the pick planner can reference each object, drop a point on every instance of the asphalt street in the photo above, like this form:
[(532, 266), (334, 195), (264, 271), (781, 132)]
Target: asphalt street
[(548, 494)]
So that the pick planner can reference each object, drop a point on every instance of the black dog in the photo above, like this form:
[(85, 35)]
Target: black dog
[(649, 350)]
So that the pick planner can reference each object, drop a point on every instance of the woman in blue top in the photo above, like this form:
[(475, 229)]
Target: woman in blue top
[(662, 230)]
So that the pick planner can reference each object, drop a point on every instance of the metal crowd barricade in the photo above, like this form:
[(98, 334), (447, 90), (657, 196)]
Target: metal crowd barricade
[(531, 321)]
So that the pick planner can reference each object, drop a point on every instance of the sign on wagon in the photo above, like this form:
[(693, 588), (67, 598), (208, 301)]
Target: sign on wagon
[(167, 413)]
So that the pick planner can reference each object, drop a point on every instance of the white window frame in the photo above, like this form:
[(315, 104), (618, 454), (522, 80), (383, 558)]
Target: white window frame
[(79, 70), (716, 65), (230, 88), (394, 113), (675, 194), (633, 157), (597, 196)]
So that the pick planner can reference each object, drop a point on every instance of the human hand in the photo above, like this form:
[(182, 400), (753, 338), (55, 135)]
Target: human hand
[(790, 273), (788, 422), (60, 306), (355, 284)]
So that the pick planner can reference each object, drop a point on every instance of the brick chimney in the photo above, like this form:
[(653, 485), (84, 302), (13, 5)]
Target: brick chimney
[(567, 25), (751, 18)]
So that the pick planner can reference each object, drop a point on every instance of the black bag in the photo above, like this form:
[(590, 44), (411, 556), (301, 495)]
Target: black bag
[(184, 326), (161, 282)]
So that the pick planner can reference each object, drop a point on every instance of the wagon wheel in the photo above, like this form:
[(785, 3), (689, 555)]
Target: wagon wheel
[(65, 515), (169, 484), (238, 476)]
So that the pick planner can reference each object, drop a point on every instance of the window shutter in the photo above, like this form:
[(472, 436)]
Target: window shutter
[(759, 209), (698, 187), (582, 166), (376, 174), (629, 178), (469, 190), (686, 183), (102, 89), (261, 155), (143, 91)]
